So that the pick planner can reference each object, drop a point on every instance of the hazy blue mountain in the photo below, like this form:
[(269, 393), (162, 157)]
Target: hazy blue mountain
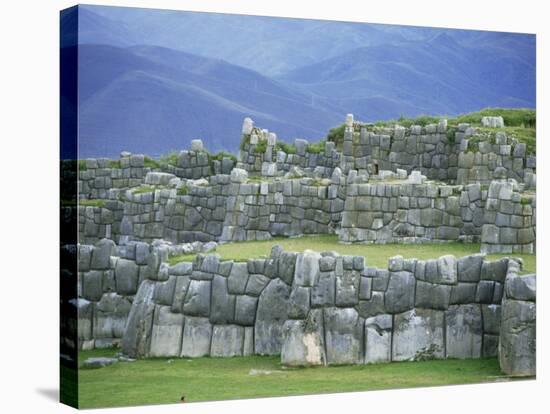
[(268, 45), (439, 76), (152, 80), (151, 99)]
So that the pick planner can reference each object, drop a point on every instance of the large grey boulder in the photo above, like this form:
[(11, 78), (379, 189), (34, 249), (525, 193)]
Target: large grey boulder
[(227, 341), (464, 332), (197, 299), (166, 333), (238, 175), (271, 315), (287, 266), (347, 288), (164, 291), (518, 338), (469, 268), (136, 339), (248, 125), (521, 287), (418, 334), (126, 276), (344, 336), (197, 334), (324, 293), (99, 362), (92, 285), (303, 341), (400, 293), (109, 318), (238, 278), (101, 254), (378, 337), (299, 302), (245, 310), (432, 296), (222, 303), (307, 268), (158, 178), (196, 145)]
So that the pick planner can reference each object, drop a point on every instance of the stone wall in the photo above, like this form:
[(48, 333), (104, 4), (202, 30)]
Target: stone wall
[(319, 308), (484, 161), (259, 155), (233, 208), (104, 179), (404, 212), (518, 333), (509, 220)]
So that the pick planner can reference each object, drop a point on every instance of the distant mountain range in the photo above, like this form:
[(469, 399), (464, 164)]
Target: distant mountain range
[(150, 81)]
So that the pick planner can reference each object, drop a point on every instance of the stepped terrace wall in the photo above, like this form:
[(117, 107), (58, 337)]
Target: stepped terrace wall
[(311, 308), (219, 210), (231, 208), (403, 212), (460, 154)]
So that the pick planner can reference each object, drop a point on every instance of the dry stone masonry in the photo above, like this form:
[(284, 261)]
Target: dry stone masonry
[(311, 308), (432, 183)]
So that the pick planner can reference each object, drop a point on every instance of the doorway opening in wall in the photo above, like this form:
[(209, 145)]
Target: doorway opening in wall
[(375, 168)]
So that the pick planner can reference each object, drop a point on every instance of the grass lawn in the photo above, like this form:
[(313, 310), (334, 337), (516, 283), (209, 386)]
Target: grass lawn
[(160, 381), (375, 254)]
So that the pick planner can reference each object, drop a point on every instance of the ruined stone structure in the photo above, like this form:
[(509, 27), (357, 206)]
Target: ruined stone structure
[(311, 308), (380, 185)]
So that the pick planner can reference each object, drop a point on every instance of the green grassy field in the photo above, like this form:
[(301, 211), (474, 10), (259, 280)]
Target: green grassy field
[(161, 381), (375, 254)]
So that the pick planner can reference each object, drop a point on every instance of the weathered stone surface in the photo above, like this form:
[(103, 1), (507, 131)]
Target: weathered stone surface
[(400, 293), (136, 339), (110, 315), (197, 333), (323, 293), (418, 335), (432, 296), (491, 319), (227, 341), (521, 287), (303, 341), (222, 303), (299, 302), (463, 331), (256, 283), (196, 145), (495, 270), (101, 254), (462, 293), (245, 309), (166, 333), (378, 337), (239, 175), (469, 268), (287, 264), (344, 336), (490, 345), (270, 317), (92, 285), (197, 299), (347, 288), (158, 178), (373, 306), (126, 276), (238, 278), (164, 291), (307, 268), (99, 362), (517, 344)]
